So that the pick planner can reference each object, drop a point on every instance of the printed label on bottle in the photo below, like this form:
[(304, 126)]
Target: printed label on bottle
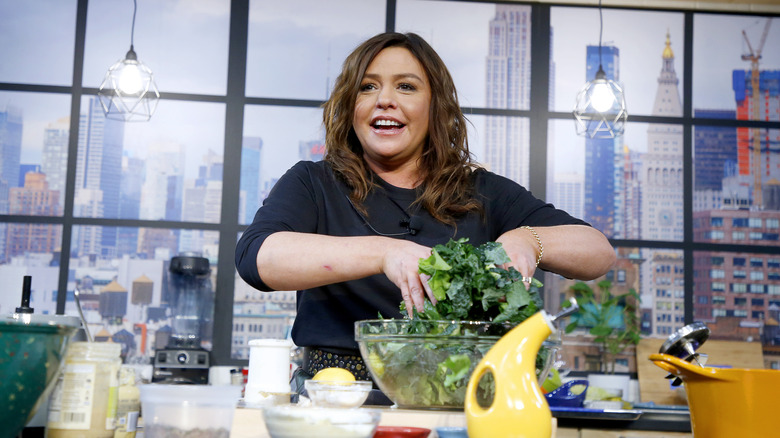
[(71, 403)]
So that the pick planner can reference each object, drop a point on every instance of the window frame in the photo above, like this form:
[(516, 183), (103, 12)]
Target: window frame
[(235, 100)]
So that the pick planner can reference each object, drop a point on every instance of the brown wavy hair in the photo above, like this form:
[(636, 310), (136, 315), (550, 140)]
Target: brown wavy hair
[(446, 164)]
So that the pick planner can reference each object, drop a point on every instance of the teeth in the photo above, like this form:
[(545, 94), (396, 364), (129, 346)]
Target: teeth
[(386, 123)]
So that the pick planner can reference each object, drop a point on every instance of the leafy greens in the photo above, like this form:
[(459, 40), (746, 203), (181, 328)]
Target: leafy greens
[(469, 284)]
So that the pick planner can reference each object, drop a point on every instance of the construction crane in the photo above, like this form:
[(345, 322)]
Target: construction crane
[(754, 56)]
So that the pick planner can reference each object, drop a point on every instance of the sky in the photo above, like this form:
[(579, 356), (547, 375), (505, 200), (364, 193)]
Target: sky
[(185, 43)]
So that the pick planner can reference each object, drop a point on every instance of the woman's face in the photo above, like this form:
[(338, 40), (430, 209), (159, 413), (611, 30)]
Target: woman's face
[(391, 110)]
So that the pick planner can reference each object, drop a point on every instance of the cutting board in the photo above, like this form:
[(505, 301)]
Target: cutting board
[(653, 386)]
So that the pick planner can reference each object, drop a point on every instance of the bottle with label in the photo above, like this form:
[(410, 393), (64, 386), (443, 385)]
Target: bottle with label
[(129, 404), (84, 401)]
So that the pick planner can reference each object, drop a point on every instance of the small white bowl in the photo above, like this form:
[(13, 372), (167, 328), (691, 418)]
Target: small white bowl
[(329, 394), (293, 421)]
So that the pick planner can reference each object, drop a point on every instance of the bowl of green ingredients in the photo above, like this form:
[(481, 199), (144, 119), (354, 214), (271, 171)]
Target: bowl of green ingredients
[(425, 362)]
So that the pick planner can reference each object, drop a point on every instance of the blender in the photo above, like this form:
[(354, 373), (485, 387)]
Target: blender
[(184, 360)]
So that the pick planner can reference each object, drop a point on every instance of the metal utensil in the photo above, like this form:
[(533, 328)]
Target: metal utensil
[(81, 314)]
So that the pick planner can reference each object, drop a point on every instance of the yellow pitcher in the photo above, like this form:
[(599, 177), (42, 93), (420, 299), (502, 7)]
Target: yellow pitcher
[(519, 408)]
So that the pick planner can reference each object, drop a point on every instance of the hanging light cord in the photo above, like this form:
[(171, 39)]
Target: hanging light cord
[(132, 27), (601, 30)]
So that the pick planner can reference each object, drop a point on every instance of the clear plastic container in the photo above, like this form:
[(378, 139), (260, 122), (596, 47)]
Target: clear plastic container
[(204, 411), (84, 401)]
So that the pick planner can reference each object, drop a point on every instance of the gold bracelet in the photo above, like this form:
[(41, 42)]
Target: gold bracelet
[(538, 240)]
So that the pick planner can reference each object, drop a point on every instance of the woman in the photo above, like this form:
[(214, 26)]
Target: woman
[(397, 178)]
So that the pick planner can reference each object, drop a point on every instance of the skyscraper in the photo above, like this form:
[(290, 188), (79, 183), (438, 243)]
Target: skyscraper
[(251, 153), (768, 105), (10, 146), (98, 178), (567, 192), (35, 199), (162, 192), (662, 197), (601, 173), (662, 204), (508, 69), (54, 161)]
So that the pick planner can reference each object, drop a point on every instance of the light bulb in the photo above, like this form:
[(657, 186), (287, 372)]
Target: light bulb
[(601, 97), (130, 81)]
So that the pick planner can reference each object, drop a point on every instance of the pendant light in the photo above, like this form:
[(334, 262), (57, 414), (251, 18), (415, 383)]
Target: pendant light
[(128, 91), (600, 111)]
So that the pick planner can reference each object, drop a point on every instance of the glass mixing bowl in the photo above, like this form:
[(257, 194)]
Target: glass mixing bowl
[(427, 364)]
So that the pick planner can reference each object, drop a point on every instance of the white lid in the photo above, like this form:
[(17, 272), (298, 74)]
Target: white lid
[(271, 343)]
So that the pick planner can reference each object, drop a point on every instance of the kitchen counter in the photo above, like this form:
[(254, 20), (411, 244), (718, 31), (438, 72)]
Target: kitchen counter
[(248, 422)]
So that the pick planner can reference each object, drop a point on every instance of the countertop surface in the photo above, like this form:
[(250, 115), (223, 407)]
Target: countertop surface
[(248, 422)]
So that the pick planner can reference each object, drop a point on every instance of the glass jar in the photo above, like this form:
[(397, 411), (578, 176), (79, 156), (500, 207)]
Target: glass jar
[(84, 401)]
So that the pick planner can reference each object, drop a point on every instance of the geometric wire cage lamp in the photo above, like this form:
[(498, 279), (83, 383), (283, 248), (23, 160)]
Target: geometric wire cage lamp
[(600, 110), (128, 91)]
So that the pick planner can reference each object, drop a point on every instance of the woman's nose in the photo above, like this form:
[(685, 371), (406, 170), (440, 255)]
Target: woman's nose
[(385, 99)]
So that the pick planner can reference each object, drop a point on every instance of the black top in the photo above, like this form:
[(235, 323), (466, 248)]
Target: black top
[(310, 199)]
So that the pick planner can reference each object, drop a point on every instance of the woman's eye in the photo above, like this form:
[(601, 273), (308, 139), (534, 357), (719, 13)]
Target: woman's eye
[(367, 87), (407, 87)]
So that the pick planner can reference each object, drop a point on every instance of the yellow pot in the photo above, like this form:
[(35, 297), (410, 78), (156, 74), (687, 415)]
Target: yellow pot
[(727, 402)]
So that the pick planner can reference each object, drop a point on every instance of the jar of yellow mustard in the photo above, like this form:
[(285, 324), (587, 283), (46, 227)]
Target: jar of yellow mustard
[(84, 401)]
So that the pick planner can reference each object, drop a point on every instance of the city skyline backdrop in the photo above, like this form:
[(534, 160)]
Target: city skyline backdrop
[(196, 129)]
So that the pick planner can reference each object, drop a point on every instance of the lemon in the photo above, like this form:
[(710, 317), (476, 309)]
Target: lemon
[(552, 382), (377, 366), (334, 375)]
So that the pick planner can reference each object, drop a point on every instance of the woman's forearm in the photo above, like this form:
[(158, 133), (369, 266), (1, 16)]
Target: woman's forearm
[(576, 251), (293, 261)]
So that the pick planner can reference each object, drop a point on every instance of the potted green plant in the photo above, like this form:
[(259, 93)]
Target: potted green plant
[(612, 320)]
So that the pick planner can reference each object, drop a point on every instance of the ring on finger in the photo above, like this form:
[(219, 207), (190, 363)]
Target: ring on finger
[(527, 279)]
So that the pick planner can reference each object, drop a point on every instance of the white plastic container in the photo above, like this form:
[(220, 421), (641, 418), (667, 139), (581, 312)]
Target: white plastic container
[(269, 369), (175, 410)]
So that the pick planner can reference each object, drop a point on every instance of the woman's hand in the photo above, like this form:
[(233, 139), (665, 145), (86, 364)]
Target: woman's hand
[(523, 249), (400, 265), (573, 251)]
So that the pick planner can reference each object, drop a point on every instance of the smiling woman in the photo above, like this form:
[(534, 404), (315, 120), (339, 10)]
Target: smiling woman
[(391, 115), (396, 152)]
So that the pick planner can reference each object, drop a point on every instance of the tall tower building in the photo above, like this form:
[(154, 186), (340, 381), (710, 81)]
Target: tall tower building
[(54, 161), (768, 106), (714, 157), (601, 173), (162, 192), (10, 146), (34, 199), (631, 196), (251, 153), (508, 69), (98, 177), (202, 203), (662, 203), (567, 192)]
